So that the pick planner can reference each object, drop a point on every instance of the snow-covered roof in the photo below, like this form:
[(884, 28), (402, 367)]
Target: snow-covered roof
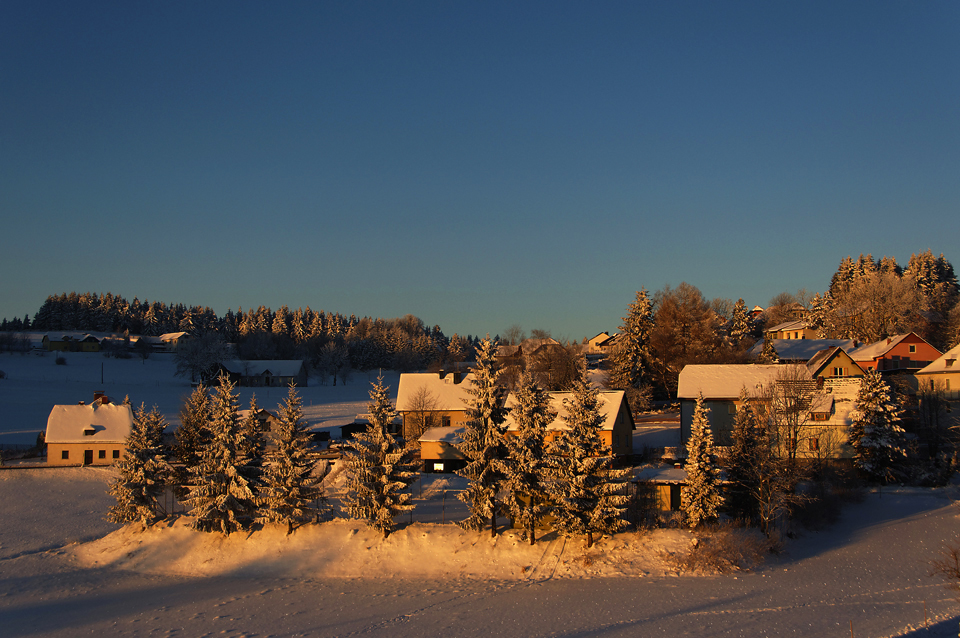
[(793, 324), (802, 349), (609, 401), (445, 394), (872, 351), (939, 366), (443, 435), (721, 381), (663, 474), (171, 336), (105, 423), (276, 367)]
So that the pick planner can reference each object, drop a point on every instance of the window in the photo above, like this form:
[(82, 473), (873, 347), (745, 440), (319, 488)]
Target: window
[(838, 372), (445, 421), (821, 416), (101, 454), (913, 348), (949, 362), (731, 408), (947, 385), (814, 445), (116, 454), (438, 467), (65, 455)]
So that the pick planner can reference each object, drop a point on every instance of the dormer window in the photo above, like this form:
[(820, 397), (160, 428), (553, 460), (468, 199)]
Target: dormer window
[(949, 362)]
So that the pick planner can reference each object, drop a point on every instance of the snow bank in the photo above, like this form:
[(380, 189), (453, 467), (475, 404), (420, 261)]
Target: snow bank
[(349, 549)]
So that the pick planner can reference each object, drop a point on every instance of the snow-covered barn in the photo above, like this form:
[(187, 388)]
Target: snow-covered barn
[(267, 373)]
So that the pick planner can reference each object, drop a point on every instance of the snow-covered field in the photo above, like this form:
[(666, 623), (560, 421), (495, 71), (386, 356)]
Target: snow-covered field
[(34, 384), (65, 571)]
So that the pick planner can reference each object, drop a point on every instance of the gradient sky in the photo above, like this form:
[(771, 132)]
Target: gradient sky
[(477, 164)]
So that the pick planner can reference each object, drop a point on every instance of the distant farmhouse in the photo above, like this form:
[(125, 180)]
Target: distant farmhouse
[(265, 374), (93, 434)]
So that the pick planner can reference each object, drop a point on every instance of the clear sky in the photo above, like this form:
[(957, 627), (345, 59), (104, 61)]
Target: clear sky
[(477, 164)]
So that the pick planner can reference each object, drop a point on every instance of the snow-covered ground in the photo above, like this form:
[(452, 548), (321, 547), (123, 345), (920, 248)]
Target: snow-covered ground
[(65, 571)]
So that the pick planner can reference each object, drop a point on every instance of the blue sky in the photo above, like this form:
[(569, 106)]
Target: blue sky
[(475, 164)]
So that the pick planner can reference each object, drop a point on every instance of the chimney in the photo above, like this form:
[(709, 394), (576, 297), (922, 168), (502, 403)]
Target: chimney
[(457, 377), (100, 397), (81, 403)]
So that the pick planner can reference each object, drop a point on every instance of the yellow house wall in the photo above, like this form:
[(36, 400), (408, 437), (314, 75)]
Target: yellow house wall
[(76, 450), (457, 418), (433, 450)]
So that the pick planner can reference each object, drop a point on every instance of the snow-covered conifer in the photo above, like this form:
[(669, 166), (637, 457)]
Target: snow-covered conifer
[(288, 485), (739, 323), (483, 443), (768, 354), (193, 433), (749, 444), (588, 495), (701, 496), (143, 471), (219, 494), (378, 469), (526, 466), (630, 364), (875, 434)]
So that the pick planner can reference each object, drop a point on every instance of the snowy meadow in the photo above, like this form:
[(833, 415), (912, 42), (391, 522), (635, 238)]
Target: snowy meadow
[(65, 571)]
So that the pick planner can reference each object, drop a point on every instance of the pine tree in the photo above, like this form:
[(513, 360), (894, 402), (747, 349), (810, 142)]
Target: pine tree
[(526, 466), (219, 494), (749, 442), (875, 434), (254, 445), (587, 493), (740, 323), (483, 443), (193, 433), (701, 496), (768, 354), (631, 359), (378, 469), (143, 471), (289, 484)]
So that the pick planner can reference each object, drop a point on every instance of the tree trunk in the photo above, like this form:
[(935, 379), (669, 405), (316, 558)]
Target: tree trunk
[(589, 540)]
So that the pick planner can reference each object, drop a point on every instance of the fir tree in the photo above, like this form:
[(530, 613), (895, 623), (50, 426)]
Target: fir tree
[(739, 323), (289, 484), (143, 471), (378, 469), (526, 466), (768, 354), (587, 493), (219, 494), (701, 496), (631, 359), (483, 443), (193, 434), (749, 443), (875, 434), (254, 445)]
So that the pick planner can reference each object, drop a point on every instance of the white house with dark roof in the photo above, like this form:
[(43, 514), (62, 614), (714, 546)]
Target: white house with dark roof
[(93, 434)]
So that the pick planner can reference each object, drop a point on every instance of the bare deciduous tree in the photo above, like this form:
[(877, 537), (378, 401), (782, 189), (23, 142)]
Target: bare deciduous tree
[(421, 416)]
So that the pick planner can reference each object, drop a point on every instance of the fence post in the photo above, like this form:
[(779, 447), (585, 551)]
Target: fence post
[(443, 509)]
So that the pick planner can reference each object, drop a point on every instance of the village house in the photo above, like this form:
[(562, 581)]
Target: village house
[(171, 341), (833, 362), (943, 372), (431, 399), (438, 449), (615, 433), (899, 353), (265, 374), (824, 405), (601, 344), (70, 342), (93, 434), (796, 329)]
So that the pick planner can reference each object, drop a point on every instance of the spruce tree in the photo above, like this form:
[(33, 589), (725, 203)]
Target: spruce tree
[(588, 495), (740, 323), (630, 363), (143, 471), (219, 494), (192, 435), (749, 443), (526, 466), (289, 485), (875, 434), (378, 469), (483, 443), (701, 498), (768, 354)]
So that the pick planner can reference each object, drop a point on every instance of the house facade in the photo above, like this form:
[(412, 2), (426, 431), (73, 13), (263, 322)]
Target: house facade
[(429, 400), (792, 330), (93, 434), (833, 362), (899, 353), (943, 372)]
